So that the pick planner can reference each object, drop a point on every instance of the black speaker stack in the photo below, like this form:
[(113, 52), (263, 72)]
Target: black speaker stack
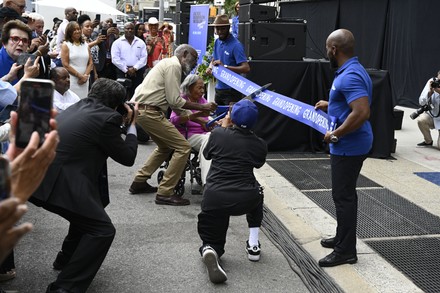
[(266, 37), (181, 20), (183, 9)]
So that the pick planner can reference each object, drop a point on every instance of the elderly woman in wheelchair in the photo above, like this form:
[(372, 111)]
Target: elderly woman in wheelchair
[(192, 125)]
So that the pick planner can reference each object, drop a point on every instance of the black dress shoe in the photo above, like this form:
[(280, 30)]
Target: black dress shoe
[(335, 259), (328, 242), (141, 187), (423, 143), (172, 200)]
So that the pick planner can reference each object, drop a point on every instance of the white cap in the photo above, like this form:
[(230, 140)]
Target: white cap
[(153, 20)]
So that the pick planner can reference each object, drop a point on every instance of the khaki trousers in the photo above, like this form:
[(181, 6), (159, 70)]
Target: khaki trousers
[(426, 123), (167, 139)]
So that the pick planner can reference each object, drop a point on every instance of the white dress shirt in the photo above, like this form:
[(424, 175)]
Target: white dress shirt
[(125, 55), (62, 102)]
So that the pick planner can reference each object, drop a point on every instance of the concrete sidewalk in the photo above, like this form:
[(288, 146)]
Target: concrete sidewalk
[(156, 247)]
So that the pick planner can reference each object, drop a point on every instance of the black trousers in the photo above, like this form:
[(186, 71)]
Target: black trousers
[(345, 172), (108, 70), (135, 80), (86, 245), (213, 224), (226, 96)]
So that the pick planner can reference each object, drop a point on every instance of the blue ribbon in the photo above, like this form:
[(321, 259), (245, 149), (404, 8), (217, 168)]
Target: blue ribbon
[(289, 107)]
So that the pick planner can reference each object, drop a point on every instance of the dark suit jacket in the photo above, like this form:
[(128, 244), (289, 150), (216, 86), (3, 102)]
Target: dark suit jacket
[(89, 134)]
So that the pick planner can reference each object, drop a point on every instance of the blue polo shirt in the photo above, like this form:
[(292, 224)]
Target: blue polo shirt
[(229, 52), (351, 83)]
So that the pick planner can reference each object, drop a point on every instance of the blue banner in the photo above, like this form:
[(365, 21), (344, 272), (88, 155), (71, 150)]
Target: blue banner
[(289, 107), (198, 29)]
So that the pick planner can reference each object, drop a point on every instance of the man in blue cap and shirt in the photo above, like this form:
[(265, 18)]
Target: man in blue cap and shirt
[(231, 188)]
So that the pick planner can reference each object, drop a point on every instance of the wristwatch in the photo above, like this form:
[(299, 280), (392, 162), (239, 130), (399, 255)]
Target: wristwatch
[(225, 66), (333, 138)]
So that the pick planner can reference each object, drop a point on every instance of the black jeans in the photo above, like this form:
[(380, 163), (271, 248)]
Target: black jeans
[(345, 172)]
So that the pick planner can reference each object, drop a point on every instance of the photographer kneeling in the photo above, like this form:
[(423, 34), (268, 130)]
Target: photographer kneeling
[(429, 113), (76, 187)]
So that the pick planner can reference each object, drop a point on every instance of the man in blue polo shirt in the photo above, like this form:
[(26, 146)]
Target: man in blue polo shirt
[(350, 143), (229, 52)]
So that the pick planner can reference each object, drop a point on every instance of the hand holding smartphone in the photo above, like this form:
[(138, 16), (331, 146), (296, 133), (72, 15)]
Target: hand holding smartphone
[(23, 58), (34, 110)]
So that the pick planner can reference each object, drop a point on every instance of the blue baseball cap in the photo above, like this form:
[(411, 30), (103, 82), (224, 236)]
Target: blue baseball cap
[(244, 114)]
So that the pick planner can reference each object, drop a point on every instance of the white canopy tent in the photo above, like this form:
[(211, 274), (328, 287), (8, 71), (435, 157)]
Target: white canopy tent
[(95, 6)]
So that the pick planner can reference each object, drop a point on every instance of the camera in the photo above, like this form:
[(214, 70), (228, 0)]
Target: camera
[(435, 83), (419, 111), (127, 83)]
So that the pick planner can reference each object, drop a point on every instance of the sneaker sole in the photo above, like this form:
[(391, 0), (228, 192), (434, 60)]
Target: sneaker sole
[(252, 257), (215, 272)]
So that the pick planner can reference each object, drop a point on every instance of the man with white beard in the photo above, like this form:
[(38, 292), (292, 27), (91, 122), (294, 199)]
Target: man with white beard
[(160, 90)]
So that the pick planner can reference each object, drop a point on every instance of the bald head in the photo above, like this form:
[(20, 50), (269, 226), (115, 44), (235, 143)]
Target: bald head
[(340, 47), (344, 40), (61, 78), (71, 14), (187, 56)]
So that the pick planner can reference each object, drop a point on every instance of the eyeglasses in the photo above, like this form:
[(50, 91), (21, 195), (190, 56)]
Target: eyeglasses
[(16, 40)]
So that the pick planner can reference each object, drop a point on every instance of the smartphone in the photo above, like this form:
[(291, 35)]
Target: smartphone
[(46, 32), (98, 17), (5, 178), (114, 25), (159, 34), (23, 57), (34, 110), (104, 31)]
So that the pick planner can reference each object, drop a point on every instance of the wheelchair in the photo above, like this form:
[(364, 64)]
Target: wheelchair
[(195, 174)]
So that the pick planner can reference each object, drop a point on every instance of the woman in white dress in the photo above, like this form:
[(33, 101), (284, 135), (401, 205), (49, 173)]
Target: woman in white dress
[(76, 58)]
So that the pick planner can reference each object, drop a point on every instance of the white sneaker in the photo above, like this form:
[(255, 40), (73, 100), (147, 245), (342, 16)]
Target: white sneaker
[(253, 252), (215, 271)]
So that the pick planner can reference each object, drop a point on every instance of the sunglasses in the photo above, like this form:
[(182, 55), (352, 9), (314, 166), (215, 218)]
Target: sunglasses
[(16, 40)]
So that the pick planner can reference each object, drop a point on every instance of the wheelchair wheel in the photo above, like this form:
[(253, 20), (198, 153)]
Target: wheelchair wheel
[(160, 175), (179, 190), (198, 175)]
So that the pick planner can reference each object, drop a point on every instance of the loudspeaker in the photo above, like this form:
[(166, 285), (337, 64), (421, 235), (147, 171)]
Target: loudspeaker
[(273, 41), (184, 7), (182, 33), (182, 18), (244, 2), (255, 13)]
